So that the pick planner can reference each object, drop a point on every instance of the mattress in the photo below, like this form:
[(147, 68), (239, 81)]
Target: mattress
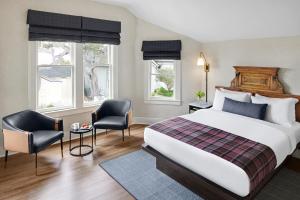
[(282, 140)]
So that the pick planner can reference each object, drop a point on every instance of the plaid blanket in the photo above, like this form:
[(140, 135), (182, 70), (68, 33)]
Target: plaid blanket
[(256, 159)]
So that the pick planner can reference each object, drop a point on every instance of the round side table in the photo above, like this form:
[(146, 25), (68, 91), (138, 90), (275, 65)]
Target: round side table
[(81, 132)]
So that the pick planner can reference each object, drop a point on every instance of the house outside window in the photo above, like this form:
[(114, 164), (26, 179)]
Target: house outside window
[(55, 75), (163, 82)]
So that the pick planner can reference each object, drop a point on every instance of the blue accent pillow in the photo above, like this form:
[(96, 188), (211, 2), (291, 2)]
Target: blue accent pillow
[(257, 111)]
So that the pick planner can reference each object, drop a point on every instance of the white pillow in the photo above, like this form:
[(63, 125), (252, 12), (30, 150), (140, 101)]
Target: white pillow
[(280, 110), (220, 97), (236, 92)]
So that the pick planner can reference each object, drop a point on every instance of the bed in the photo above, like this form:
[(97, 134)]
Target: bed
[(213, 177)]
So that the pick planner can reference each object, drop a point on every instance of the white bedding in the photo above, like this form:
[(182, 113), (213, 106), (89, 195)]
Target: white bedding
[(282, 140)]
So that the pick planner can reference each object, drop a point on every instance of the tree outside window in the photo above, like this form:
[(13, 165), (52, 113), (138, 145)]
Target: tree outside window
[(97, 71), (162, 78)]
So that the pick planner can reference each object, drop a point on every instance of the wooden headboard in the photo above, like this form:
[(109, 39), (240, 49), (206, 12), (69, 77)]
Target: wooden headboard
[(260, 80)]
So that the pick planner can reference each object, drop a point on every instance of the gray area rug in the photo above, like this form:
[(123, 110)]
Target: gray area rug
[(137, 173)]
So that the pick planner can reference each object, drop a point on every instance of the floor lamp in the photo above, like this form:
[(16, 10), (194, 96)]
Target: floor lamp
[(203, 63)]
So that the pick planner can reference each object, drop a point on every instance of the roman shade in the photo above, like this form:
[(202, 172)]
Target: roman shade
[(101, 31), (164, 49), (45, 26)]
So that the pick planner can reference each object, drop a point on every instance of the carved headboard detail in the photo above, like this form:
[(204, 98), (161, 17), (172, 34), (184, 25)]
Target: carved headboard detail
[(257, 79), (260, 80)]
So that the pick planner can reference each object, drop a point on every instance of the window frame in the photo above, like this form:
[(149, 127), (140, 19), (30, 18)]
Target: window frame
[(149, 99), (78, 80)]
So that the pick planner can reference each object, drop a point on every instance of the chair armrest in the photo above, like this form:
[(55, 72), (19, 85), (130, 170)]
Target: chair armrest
[(18, 141), (128, 118), (96, 115), (59, 125)]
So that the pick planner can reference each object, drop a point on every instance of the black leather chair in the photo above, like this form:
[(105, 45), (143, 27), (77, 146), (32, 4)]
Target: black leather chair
[(112, 114), (30, 132)]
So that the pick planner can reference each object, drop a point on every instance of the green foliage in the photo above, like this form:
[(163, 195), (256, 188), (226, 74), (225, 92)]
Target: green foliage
[(163, 92), (166, 75), (200, 94)]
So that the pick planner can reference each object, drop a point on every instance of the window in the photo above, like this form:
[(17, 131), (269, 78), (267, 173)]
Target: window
[(71, 76), (163, 82), (97, 71), (55, 69)]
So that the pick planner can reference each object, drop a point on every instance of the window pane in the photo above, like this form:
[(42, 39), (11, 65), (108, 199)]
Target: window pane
[(54, 53), (162, 80), (55, 87), (95, 54), (96, 74), (154, 67)]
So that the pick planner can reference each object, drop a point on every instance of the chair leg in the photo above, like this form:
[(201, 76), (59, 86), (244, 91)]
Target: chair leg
[(129, 130), (93, 138), (61, 148), (123, 134), (95, 134), (36, 163), (5, 161)]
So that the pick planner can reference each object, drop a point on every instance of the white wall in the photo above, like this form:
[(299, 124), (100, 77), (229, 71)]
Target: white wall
[(191, 74), (274, 52), (14, 49), (280, 52)]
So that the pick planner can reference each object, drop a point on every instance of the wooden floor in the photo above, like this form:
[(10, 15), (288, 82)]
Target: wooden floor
[(70, 177)]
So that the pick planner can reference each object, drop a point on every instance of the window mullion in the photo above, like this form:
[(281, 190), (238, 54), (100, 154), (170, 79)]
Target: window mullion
[(78, 74)]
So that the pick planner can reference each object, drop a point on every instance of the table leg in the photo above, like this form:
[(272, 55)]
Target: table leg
[(80, 143), (93, 139), (70, 141)]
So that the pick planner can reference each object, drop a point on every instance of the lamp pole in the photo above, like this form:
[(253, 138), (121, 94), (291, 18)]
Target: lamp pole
[(202, 62), (206, 73)]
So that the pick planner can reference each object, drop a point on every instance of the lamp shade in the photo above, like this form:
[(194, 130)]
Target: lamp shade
[(200, 61)]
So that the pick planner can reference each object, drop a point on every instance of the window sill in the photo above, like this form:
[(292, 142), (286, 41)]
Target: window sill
[(94, 104), (163, 102), (72, 111)]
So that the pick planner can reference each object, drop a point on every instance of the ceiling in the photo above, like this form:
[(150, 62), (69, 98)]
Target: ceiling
[(219, 20)]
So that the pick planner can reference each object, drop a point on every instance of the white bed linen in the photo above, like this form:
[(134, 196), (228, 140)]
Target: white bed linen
[(282, 140)]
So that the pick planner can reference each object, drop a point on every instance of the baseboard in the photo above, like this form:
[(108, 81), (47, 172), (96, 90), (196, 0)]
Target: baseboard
[(9, 154), (146, 120)]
